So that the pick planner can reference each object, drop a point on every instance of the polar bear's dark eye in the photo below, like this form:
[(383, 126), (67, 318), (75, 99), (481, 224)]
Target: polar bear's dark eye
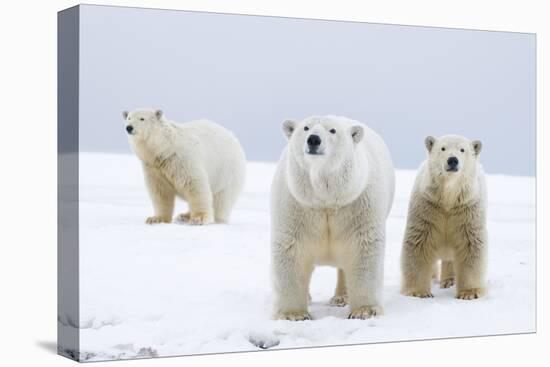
[(141, 119), (443, 149), (332, 131), (306, 128), (462, 150)]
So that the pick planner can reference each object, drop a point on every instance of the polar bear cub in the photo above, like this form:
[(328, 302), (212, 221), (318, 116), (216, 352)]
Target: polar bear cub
[(446, 220), (331, 195), (199, 161)]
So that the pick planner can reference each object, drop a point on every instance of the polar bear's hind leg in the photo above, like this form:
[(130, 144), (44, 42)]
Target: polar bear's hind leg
[(447, 274), (225, 200), (340, 297), (223, 203), (199, 198)]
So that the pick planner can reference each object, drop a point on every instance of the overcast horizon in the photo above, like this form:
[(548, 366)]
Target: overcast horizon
[(249, 73)]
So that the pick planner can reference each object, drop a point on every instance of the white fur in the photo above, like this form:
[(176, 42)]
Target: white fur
[(199, 161), (447, 221), (330, 209)]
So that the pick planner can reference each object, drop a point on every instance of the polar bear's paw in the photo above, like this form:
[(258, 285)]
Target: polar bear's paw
[(157, 219), (339, 301), (419, 294), (365, 312), (183, 217), (469, 294), (200, 218), (447, 283), (293, 316)]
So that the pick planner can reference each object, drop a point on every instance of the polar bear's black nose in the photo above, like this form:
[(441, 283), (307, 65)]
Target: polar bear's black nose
[(452, 162), (129, 129), (314, 140)]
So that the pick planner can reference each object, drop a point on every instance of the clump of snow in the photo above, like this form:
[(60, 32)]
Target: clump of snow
[(174, 289)]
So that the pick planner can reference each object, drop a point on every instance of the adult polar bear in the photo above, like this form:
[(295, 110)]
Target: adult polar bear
[(199, 161), (331, 195), (447, 220)]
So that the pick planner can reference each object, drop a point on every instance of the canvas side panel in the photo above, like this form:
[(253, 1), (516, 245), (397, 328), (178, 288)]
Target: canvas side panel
[(67, 184)]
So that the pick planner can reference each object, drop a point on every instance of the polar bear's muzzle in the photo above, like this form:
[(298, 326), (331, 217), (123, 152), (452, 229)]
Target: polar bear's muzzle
[(452, 164), (314, 145)]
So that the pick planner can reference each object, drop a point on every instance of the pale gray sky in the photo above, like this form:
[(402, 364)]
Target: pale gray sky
[(249, 73)]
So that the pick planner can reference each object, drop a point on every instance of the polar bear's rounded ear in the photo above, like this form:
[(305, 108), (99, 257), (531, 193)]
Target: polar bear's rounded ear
[(158, 114), (125, 114), (288, 127), (477, 146), (429, 142), (357, 133)]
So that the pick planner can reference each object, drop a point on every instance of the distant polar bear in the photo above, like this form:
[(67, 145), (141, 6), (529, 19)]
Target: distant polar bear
[(446, 220), (199, 161), (331, 195)]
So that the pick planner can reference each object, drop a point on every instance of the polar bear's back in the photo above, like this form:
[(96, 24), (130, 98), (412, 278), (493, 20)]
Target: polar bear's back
[(220, 152)]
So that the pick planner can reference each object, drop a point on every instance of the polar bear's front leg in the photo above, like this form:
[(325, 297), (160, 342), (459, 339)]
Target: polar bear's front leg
[(364, 277), (291, 276), (470, 272), (417, 257), (416, 270), (162, 194)]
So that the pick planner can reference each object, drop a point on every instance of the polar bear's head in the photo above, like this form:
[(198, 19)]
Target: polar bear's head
[(318, 140), (452, 156), (326, 160), (140, 123)]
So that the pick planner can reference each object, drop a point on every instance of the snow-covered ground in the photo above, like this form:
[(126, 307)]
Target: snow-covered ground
[(174, 289)]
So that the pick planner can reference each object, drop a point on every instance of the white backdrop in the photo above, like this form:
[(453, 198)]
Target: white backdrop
[(28, 185)]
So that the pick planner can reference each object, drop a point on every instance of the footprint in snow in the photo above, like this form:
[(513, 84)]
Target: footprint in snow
[(263, 342)]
